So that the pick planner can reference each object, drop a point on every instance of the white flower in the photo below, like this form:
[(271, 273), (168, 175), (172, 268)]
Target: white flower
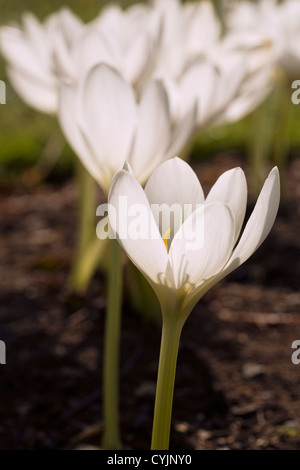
[(278, 22), (225, 87), (181, 276), (125, 39), (189, 31), (106, 126), (28, 52), (228, 76), (250, 59)]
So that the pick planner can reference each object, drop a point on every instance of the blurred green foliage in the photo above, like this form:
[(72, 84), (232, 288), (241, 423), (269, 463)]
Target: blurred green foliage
[(24, 133)]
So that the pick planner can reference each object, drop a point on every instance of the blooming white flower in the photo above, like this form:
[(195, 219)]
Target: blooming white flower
[(189, 31), (181, 276), (227, 75), (179, 43), (125, 39), (28, 52), (226, 87), (106, 126), (278, 22)]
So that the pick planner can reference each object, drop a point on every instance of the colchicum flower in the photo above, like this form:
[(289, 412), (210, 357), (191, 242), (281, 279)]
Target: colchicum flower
[(106, 126), (124, 39), (28, 51), (190, 31), (278, 22), (223, 86), (182, 272), (40, 55), (185, 260), (228, 75)]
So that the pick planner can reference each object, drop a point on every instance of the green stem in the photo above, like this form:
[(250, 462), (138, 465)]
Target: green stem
[(260, 144), (82, 270), (171, 332), (283, 110), (111, 437)]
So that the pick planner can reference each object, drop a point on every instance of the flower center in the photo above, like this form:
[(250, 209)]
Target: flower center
[(165, 239)]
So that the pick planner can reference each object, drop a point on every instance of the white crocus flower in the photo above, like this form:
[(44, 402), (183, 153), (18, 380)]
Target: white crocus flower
[(134, 61), (189, 31), (278, 22), (179, 273), (106, 126), (28, 49), (257, 80), (228, 76), (225, 87), (127, 40)]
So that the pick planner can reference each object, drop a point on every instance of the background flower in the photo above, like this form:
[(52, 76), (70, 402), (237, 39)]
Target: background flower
[(106, 125)]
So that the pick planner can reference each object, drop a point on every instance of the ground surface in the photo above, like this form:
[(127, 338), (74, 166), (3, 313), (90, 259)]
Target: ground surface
[(236, 386)]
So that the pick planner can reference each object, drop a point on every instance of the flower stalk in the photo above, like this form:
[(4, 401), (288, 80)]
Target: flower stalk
[(171, 332), (83, 266), (111, 437)]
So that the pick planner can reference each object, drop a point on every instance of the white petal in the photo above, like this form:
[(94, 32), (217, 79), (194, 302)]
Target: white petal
[(232, 74), (204, 28), (199, 83), (153, 131), (174, 182), (259, 223), (91, 49), (17, 52), (34, 92), (171, 12), (202, 245), (107, 113), (175, 191), (72, 26), (231, 188), (183, 132), (136, 58), (149, 253), (63, 61), (35, 36), (72, 132), (254, 91), (111, 21)]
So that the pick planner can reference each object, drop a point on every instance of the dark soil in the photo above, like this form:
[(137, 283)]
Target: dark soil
[(236, 386)]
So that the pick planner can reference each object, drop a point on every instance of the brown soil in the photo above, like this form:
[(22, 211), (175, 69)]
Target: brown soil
[(236, 386)]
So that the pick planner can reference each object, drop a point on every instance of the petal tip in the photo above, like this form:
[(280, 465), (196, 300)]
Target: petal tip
[(127, 168)]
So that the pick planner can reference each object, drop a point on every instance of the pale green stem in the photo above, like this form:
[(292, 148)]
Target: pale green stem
[(93, 257), (282, 124), (171, 332), (260, 143), (83, 269), (111, 437)]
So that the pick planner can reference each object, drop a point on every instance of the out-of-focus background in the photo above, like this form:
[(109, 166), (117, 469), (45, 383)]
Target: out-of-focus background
[(236, 387), (25, 133)]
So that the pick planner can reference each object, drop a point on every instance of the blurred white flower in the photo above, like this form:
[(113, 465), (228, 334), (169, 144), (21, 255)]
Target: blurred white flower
[(28, 50), (255, 79), (106, 126), (125, 39), (181, 44), (189, 31), (226, 87), (228, 75), (181, 276), (278, 22)]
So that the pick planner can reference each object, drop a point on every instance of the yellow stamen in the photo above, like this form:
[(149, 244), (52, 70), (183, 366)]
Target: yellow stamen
[(165, 239)]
